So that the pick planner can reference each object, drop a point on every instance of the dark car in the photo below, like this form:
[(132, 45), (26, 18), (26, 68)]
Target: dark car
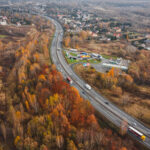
[(106, 103)]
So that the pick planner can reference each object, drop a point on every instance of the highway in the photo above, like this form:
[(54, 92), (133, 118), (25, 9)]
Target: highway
[(104, 106)]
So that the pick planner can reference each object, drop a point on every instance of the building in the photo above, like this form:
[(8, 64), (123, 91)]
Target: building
[(148, 48), (119, 63), (108, 65), (73, 50), (84, 53), (3, 20), (18, 24), (94, 55), (3, 23)]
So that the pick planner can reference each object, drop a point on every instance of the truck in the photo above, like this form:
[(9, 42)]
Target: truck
[(137, 133), (69, 80)]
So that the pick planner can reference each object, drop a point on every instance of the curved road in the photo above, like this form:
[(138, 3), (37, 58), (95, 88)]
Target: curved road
[(105, 107)]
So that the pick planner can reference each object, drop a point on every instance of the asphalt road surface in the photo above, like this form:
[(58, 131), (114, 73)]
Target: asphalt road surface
[(104, 106)]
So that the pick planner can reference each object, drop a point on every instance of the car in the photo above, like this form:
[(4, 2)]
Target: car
[(88, 86), (69, 80), (83, 92), (134, 123), (106, 103)]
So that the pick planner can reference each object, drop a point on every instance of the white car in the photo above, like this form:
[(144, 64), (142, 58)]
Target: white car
[(88, 86)]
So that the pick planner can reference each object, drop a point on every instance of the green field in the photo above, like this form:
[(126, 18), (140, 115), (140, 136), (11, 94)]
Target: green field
[(3, 36), (73, 54), (72, 61), (109, 57), (94, 61)]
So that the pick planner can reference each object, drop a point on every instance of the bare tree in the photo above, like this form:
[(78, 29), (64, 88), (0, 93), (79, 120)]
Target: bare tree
[(3, 129), (124, 127), (125, 99)]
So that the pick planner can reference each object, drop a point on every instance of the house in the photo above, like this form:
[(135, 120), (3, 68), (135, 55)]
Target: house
[(3, 22), (18, 24), (118, 30), (147, 42), (148, 36), (4, 18), (148, 48), (117, 35), (94, 35)]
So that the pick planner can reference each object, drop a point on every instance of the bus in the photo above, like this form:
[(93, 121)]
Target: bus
[(137, 133), (69, 80)]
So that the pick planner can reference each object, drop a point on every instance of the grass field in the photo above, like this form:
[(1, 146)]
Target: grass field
[(73, 54), (3, 36), (72, 61), (94, 61), (109, 57)]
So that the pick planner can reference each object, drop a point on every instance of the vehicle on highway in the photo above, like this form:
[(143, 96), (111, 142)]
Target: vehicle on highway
[(58, 49), (134, 123), (137, 133), (69, 80), (83, 92), (88, 86), (106, 103)]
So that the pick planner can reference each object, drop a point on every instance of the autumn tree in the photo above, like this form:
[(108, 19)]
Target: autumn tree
[(123, 127), (71, 145), (139, 68), (59, 141), (117, 91), (67, 41), (83, 34), (3, 129)]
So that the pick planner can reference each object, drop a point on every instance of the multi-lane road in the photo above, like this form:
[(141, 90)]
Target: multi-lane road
[(105, 107)]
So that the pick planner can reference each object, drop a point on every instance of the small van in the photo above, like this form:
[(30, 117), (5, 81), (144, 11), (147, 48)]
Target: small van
[(88, 86)]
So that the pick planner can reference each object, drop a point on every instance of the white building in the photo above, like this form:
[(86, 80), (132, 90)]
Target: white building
[(18, 24), (3, 23), (108, 65), (148, 48), (95, 55), (73, 50)]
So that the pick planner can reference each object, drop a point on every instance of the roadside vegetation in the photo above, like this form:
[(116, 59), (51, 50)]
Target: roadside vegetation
[(121, 88)]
